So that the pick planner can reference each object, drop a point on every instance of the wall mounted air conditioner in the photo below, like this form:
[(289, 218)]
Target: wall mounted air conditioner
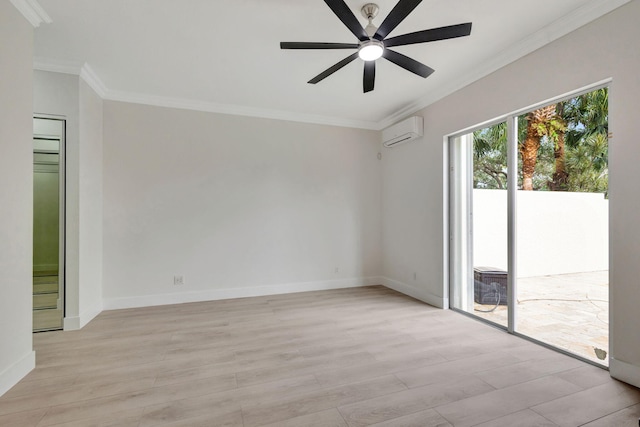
[(405, 131)]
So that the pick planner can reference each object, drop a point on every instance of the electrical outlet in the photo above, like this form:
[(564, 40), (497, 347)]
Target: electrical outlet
[(337, 270), (415, 276), (178, 280)]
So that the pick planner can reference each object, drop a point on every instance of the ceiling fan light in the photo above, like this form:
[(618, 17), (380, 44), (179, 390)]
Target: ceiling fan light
[(370, 50)]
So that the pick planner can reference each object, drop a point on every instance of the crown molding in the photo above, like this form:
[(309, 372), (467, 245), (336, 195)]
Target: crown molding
[(91, 78), (57, 66), (84, 71), (236, 110), (557, 29), (32, 11)]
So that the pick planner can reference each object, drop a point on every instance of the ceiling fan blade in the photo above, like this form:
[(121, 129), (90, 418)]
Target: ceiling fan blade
[(342, 11), (305, 45), (432, 35), (369, 79), (395, 17), (326, 73), (407, 63)]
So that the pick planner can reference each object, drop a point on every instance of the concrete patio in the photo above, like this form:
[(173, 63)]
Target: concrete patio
[(569, 311)]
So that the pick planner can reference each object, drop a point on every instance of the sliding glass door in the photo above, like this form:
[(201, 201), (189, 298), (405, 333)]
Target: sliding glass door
[(479, 175), (529, 224)]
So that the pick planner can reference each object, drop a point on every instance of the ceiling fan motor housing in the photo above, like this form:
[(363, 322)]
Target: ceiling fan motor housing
[(370, 10)]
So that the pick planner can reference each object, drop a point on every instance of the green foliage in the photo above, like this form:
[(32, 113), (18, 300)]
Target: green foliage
[(544, 166), (587, 165), (587, 115), (583, 121), (490, 157), (551, 129)]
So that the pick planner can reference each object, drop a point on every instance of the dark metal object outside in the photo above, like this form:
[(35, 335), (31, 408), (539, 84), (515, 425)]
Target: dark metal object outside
[(489, 285)]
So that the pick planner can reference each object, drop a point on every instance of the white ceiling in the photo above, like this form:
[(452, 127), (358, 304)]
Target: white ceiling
[(224, 55)]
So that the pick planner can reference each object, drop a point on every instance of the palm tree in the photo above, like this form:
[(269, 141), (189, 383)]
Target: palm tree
[(543, 122), (560, 174)]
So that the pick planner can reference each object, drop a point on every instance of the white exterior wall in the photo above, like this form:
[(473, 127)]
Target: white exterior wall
[(557, 232)]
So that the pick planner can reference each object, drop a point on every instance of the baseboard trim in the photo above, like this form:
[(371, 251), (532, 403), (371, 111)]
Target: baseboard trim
[(229, 293), (414, 292), (624, 371), (78, 322), (14, 373), (71, 323)]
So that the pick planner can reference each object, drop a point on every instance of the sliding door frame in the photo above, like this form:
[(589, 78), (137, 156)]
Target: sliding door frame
[(512, 186), (512, 206)]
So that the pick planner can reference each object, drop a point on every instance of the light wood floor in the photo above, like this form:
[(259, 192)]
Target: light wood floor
[(352, 357)]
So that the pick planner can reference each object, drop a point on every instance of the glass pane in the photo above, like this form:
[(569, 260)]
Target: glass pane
[(480, 234), (47, 267), (490, 223), (46, 145), (562, 225)]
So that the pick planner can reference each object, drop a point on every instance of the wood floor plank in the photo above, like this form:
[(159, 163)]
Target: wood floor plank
[(71, 394), (627, 417), (498, 403), (424, 418), (213, 409), (130, 418), (29, 418), (328, 418), (407, 402), (320, 400), (87, 409), (523, 418), (585, 406)]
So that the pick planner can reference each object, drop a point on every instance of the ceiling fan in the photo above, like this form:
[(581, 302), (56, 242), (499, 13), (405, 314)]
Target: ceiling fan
[(372, 43)]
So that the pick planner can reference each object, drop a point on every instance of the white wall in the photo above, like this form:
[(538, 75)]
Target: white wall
[(69, 97), (16, 196), (557, 232), (90, 204), (238, 206), (412, 218), (414, 196)]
